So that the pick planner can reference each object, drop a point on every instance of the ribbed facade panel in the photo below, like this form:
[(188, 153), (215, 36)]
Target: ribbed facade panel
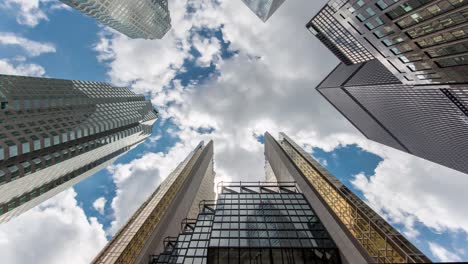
[(148, 19), (424, 120)]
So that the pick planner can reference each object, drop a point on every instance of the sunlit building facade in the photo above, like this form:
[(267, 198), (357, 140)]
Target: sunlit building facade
[(300, 214), (55, 133), (178, 197), (147, 19), (360, 234), (264, 9)]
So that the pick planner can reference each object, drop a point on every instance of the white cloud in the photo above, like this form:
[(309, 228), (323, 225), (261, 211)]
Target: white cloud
[(407, 189), (28, 11), (443, 254), (152, 169), (209, 49), (32, 12), (56, 231), (32, 48), (99, 204), (25, 69)]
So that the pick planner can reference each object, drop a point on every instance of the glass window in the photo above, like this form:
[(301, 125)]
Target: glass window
[(2, 153), (12, 148), (26, 147)]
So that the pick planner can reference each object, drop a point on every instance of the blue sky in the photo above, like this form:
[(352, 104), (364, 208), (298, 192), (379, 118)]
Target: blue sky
[(222, 74)]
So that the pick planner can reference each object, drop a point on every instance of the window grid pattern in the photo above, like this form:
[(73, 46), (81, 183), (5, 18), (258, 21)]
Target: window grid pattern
[(253, 223), (129, 241), (420, 41), (149, 19), (382, 242), (338, 38), (45, 123)]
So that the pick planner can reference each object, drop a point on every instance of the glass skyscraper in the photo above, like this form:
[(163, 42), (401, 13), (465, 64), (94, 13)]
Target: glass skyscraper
[(403, 80), (54, 133), (419, 41), (148, 19), (302, 214), (264, 9)]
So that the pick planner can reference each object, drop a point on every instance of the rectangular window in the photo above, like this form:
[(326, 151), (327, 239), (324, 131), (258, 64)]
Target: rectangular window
[(26, 147), (47, 142), (13, 149)]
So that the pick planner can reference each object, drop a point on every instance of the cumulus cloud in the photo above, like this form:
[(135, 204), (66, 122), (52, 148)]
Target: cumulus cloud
[(443, 254), (408, 190), (209, 48), (53, 232), (32, 48), (152, 169), (32, 12), (21, 68), (99, 204)]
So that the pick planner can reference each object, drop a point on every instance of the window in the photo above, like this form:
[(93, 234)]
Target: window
[(12, 148), (26, 147)]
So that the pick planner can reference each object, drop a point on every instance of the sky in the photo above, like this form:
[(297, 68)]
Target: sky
[(220, 73)]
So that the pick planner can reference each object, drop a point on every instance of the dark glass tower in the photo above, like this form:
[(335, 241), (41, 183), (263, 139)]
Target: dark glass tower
[(54, 133), (403, 81), (148, 19), (419, 41), (302, 214), (252, 223)]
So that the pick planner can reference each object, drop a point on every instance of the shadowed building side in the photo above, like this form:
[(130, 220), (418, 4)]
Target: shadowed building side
[(429, 121)]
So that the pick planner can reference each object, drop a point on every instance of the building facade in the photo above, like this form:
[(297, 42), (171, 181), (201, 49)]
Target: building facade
[(179, 196), (361, 235), (264, 9), (147, 19), (54, 133), (252, 223), (403, 81), (420, 42), (302, 214), (427, 122)]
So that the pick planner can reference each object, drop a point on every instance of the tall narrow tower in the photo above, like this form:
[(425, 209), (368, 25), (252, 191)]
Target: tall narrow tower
[(55, 133), (358, 231), (148, 19), (301, 215), (161, 215)]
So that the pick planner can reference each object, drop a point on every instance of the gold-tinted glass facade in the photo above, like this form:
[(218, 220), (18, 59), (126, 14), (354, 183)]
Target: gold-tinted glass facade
[(127, 244), (380, 240)]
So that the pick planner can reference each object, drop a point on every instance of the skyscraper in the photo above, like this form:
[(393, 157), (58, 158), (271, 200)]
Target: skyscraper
[(148, 19), (420, 42), (161, 215), (264, 9), (403, 78), (361, 235), (55, 133), (301, 215)]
